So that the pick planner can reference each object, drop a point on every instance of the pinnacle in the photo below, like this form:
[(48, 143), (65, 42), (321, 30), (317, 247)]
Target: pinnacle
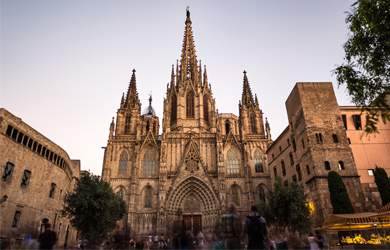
[(247, 96)]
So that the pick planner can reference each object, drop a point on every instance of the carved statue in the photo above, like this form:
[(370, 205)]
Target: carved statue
[(220, 154), (163, 153)]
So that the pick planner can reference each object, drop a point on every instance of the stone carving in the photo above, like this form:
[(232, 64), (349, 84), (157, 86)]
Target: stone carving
[(191, 205)]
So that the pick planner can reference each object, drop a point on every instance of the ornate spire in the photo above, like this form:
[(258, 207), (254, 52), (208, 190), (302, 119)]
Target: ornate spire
[(132, 94), (205, 80), (123, 100), (256, 101), (173, 75), (268, 129), (247, 96), (150, 110), (188, 62)]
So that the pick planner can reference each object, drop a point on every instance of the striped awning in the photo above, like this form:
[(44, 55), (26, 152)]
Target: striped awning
[(361, 221)]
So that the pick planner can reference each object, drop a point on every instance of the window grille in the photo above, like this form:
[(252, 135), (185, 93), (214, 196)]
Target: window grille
[(149, 162), (8, 171), (52, 189), (232, 162), (258, 162), (25, 179), (15, 221), (123, 163)]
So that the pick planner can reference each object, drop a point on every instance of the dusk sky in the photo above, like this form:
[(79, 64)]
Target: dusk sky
[(65, 64)]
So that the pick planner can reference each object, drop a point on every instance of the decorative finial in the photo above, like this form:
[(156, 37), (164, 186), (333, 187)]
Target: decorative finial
[(244, 72), (188, 11), (133, 70)]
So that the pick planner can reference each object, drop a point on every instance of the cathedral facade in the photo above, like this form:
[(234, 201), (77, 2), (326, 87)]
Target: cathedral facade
[(202, 160)]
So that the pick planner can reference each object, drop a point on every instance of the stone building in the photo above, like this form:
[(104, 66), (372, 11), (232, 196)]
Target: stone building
[(317, 141), (36, 174), (202, 160)]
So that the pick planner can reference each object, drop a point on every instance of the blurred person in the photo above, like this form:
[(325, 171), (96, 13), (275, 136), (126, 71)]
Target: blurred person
[(200, 238), (319, 239), (281, 241), (256, 228), (230, 227), (147, 243), (139, 244), (313, 243), (48, 238), (6, 244), (294, 241)]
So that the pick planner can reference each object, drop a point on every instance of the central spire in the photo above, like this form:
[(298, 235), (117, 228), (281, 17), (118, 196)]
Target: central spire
[(188, 62), (247, 96)]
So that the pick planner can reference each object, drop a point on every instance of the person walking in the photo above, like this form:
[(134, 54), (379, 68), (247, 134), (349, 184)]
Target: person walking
[(200, 238), (319, 239), (256, 228), (313, 243), (48, 238), (230, 227)]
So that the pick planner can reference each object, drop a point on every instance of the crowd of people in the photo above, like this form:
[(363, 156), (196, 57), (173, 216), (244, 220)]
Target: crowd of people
[(228, 234)]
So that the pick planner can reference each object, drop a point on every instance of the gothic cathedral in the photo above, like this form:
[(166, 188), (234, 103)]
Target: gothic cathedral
[(202, 160)]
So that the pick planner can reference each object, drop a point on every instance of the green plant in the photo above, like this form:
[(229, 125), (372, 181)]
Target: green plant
[(339, 194)]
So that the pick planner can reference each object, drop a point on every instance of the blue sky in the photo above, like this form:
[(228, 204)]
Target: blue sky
[(65, 64)]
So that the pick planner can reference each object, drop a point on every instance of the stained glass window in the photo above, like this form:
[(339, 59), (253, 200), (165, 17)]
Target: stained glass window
[(149, 162), (232, 162), (123, 163), (258, 162)]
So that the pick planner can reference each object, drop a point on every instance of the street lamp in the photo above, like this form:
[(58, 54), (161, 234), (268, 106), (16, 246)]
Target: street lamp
[(376, 229)]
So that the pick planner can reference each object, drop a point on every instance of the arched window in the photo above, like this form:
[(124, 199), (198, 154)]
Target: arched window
[(147, 127), (227, 127), (253, 124), (258, 162), (127, 124), (173, 108), (327, 165), (190, 105), (335, 139), (149, 162), (206, 108), (232, 162), (148, 197), (341, 165), (307, 169), (123, 163), (235, 196), (262, 194)]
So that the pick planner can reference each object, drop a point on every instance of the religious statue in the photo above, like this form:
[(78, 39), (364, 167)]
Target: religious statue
[(220, 155), (163, 153)]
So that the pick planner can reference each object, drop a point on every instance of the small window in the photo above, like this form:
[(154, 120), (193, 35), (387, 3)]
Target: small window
[(47, 154), (25, 140), (52, 189), (370, 172), (357, 122), (273, 157), (303, 145), (43, 152), (25, 179), (327, 165), (35, 146), (15, 221), (298, 168), (349, 141), (341, 165), (344, 121), (9, 131), (307, 169), (227, 128), (283, 169), (20, 137), (291, 126), (285, 183), (294, 145), (288, 142), (7, 172), (320, 135), (30, 143), (335, 139), (275, 172), (280, 149), (291, 159), (51, 156), (148, 197), (14, 134), (294, 178)]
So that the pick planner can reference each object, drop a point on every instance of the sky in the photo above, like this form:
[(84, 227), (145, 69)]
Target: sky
[(65, 64)]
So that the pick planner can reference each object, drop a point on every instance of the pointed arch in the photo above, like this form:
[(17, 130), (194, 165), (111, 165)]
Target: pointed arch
[(227, 127), (123, 158), (232, 161), (190, 104), (206, 108), (149, 162), (148, 197), (173, 108), (258, 158)]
